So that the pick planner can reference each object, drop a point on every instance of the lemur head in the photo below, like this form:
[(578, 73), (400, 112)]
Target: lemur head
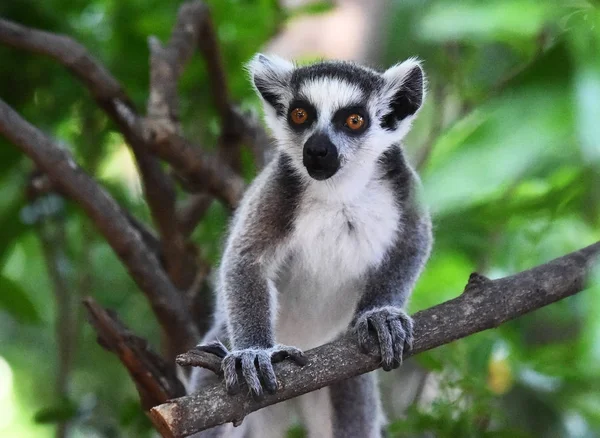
[(332, 116)]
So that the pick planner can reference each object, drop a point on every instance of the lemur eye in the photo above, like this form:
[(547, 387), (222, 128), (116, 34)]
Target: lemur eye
[(355, 121), (299, 116)]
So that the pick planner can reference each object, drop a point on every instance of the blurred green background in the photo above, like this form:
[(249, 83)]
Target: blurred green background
[(508, 146)]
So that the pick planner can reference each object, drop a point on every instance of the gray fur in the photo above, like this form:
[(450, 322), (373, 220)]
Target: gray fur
[(356, 408), (307, 259)]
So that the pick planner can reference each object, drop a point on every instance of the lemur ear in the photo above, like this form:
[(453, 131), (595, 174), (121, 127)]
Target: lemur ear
[(403, 92), (270, 76)]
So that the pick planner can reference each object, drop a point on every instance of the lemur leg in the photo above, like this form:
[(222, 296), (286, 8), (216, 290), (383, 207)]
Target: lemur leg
[(316, 411), (270, 422), (201, 377), (357, 411)]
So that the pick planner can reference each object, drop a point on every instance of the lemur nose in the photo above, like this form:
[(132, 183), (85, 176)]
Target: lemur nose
[(317, 150), (320, 156)]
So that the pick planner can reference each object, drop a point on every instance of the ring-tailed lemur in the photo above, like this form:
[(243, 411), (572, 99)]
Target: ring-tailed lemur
[(329, 236)]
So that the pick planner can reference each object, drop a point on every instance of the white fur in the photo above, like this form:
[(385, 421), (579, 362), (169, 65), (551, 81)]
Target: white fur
[(328, 95), (321, 271)]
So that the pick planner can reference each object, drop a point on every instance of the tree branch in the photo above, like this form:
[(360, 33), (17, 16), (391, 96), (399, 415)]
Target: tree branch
[(203, 171), (192, 212), (194, 28), (167, 303), (484, 304), (167, 64), (112, 99), (154, 378)]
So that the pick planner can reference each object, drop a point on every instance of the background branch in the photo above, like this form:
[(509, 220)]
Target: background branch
[(206, 171), (484, 304), (109, 218), (52, 235), (154, 378)]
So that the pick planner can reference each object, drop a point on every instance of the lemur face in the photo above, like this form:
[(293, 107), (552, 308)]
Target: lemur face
[(334, 116)]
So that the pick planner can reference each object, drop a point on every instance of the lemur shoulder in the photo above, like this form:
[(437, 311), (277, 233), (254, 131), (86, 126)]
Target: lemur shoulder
[(330, 236)]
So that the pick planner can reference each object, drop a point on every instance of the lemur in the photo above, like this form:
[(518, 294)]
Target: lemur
[(330, 236)]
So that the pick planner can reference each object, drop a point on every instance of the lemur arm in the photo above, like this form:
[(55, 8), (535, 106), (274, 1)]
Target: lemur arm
[(249, 298), (387, 289), (246, 292)]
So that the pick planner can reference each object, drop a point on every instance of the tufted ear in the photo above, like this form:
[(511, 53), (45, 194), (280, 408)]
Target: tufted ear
[(270, 76), (403, 92)]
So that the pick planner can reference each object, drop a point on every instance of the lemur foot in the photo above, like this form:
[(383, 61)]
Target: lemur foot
[(394, 329), (256, 365)]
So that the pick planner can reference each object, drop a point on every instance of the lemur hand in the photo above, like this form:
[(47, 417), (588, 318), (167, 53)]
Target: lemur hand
[(394, 329), (256, 365)]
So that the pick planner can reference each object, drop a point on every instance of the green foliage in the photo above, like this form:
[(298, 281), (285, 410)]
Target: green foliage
[(512, 180), (14, 300)]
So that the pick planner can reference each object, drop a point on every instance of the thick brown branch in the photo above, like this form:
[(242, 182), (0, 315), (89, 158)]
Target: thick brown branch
[(484, 304), (39, 184), (112, 99), (108, 217), (155, 380), (69, 53), (194, 28), (167, 64), (255, 136), (203, 171), (158, 187)]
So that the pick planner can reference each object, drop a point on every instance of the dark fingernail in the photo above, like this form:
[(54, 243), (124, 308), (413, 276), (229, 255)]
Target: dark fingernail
[(271, 387), (363, 347), (279, 356), (257, 396), (233, 389), (213, 349), (300, 359)]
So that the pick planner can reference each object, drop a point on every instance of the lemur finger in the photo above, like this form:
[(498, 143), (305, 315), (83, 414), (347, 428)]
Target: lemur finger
[(228, 365), (398, 340), (250, 374), (362, 330), (216, 348), (386, 346), (408, 326), (267, 374), (296, 355)]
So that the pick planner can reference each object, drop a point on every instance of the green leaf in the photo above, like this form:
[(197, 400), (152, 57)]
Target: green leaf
[(521, 131), (490, 20), (296, 432), (59, 413), (15, 301)]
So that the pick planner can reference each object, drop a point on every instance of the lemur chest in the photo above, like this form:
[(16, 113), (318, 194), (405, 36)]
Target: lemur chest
[(339, 240), (333, 245)]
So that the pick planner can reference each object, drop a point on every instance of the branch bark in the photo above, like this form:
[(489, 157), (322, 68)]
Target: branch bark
[(154, 378), (167, 303), (483, 305)]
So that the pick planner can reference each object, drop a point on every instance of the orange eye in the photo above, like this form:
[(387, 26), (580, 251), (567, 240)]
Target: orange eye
[(299, 116), (355, 121)]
